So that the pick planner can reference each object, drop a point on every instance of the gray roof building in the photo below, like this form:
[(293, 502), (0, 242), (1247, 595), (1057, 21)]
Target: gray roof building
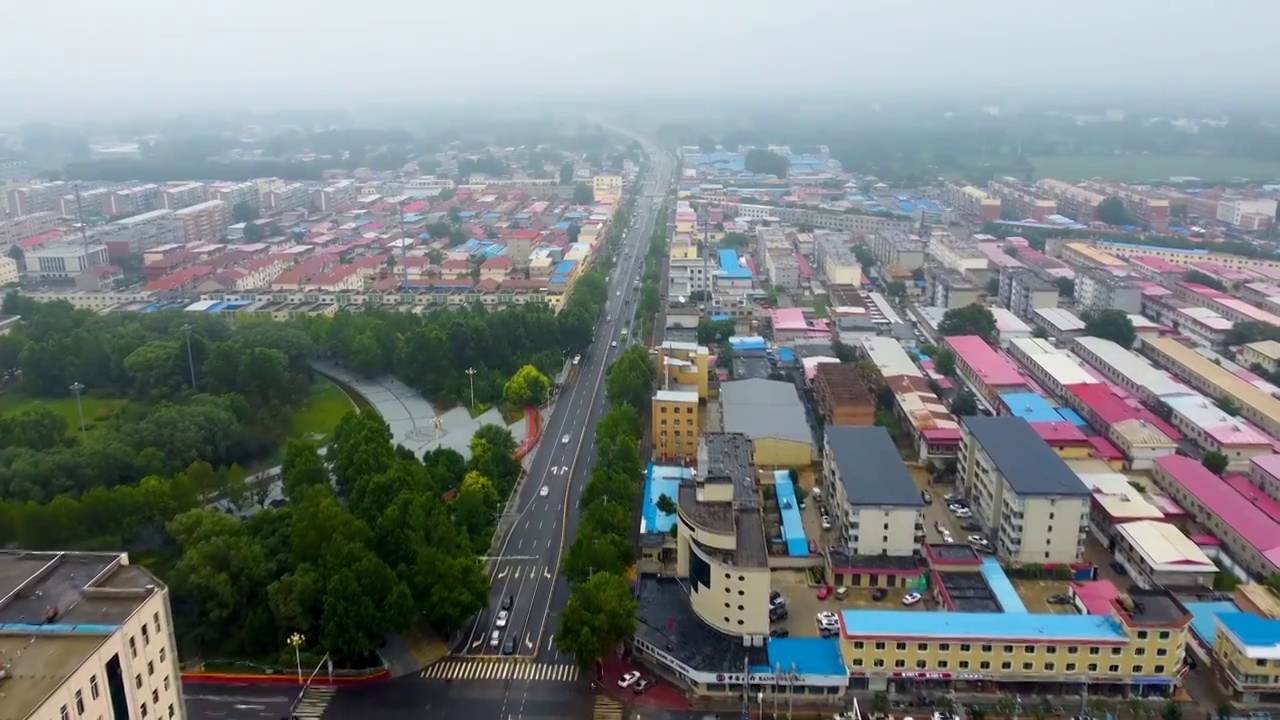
[(870, 467), (1029, 465), (763, 409)]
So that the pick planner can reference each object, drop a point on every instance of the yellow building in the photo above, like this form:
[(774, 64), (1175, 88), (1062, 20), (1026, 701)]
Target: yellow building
[(682, 363), (721, 549), (1245, 656), (1216, 381), (1265, 353), (1086, 254), (770, 413), (606, 187), (675, 425), (1133, 642)]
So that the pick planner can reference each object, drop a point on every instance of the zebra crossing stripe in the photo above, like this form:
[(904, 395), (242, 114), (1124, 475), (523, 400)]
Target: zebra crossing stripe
[(456, 669), (606, 708)]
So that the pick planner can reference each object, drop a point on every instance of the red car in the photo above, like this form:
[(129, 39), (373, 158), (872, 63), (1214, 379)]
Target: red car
[(825, 592)]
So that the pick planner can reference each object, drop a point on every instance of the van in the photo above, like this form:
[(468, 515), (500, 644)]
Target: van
[(842, 593), (495, 639), (817, 492)]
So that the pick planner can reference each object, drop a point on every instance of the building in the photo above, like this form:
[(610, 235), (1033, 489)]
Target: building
[(770, 413), (1036, 509), (141, 233), (877, 509), (1099, 290), (131, 201), (949, 289), (988, 372), (1130, 371), (234, 194), (36, 198), (1254, 404), (1240, 640), (837, 261), (972, 201), (897, 249), (843, 395), (954, 254), (1157, 554), (25, 226), (1249, 215), (1021, 202), (85, 635), (1075, 202), (1213, 429), (204, 222), (8, 271), (63, 259), (606, 187), (684, 365), (336, 197), (289, 196), (675, 424), (176, 197), (1024, 293), (1265, 353)]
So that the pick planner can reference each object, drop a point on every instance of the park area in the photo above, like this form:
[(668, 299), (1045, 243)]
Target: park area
[(96, 409), (1139, 167)]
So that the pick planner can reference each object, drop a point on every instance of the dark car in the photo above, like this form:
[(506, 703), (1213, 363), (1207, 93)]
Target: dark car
[(1119, 568), (828, 632), (879, 594), (779, 633), (509, 647), (777, 614), (508, 601), (970, 526), (1059, 600), (641, 685)]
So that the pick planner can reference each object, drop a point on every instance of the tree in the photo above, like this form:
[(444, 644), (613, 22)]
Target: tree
[(243, 212), (993, 286), (596, 551), (527, 388), (969, 320), (1112, 212), (302, 469), (582, 194), (964, 405), (1066, 287), (573, 231), (599, 616), (1228, 406), (1111, 324), (1215, 462), (735, 240), (1171, 711), (944, 361), (865, 257), (764, 162), (897, 289), (361, 447), (917, 274), (715, 332), (1203, 278), (566, 174), (666, 505), (630, 379), (253, 232)]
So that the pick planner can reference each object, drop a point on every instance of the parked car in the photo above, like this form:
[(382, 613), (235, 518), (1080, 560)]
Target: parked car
[(826, 618), (641, 685), (1119, 568), (977, 540), (1058, 599), (912, 598), (777, 602), (825, 592), (964, 514), (970, 526), (629, 679), (826, 632), (826, 522), (777, 615), (926, 497), (879, 594), (951, 497), (842, 592), (779, 633)]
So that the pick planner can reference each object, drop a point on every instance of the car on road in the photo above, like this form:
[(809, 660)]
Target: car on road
[(826, 522), (825, 592), (578, 358), (501, 622), (564, 440), (912, 598), (613, 344), (618, 293), (508, 601), (879, 594), (495, 638), (926, 497), (509, 647), (544, 491), (779, 633), (641, 685), (629, 679)]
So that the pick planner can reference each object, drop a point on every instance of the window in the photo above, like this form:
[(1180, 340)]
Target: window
[(922, 647), (1048, 667), (151, 667), (1006, 665), (880, 646), (170, 709), (79, 703), (942, 664), (137, 681), (984, 665), (899, 663), (965, 647), (901, 647), (1007, 649), (963, 665), (1137, 669), (1095, 651), (1142, 634), (1113, 669), (64, 714), (1071, 667), (878, 662), (1051, 649), (155, 696), (1093, 667), (93, 686), (142, 710), (1161, 652), (986, 648), (858, 645), (155, 618), (1072, 650), (857, 662), (166, 682), (1164, 635), (1115, 652), (1139, 651), (1029, 649), (162, 649), (944, 647), (1028, 666), (920, 665), (1159, 669), (133, 647)]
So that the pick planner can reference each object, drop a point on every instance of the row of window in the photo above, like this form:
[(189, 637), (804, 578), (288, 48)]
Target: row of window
[(1009, 649), (1028, 667), (94, 690)]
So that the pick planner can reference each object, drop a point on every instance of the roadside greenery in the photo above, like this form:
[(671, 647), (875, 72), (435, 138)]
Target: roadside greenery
[(600, 613)]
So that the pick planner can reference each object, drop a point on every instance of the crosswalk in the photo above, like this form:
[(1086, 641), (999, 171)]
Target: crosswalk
[(314, 700), (468, 669), (606, 708)]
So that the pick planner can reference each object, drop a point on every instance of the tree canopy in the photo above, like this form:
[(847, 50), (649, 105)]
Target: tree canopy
[(1112, 212), (764, 162), (969, 320), (527, 388), (1111, 324), (583, 195)]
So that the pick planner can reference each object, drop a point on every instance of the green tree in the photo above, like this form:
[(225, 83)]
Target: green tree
[(993, 286), (1215, 462), (735, 240), (897, 289), (566, 174), (361, 447), (253, 232), (715, 332), (630, 379), (243, 212), (527, 388), (666, 505), (764, 162), (582, 194), (1111, 324), (1066, 287), (1112, 212), (964, 405), (944, 361), (969, 320), (1203, 278), (599, 616)]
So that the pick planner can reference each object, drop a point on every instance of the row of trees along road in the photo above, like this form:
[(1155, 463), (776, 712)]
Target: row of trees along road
[(601, 611), (249, 378)]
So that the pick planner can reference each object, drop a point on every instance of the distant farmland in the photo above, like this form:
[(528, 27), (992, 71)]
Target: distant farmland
[(1136, 168)]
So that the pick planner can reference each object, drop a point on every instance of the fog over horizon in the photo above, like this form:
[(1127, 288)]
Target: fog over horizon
[(83, 59)]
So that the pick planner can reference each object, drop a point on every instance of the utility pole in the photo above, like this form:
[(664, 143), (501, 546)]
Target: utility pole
[(191, 363), (76, 389), (296, 641), (404, 251), (471, 378)]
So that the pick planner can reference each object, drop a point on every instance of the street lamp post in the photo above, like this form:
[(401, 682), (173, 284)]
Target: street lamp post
[(296, 641), (471, 378), (76, 389), (191, 364)]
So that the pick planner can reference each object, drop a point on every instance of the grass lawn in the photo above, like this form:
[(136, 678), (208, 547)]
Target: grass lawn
[(818, 305), (317, 418), (96, 409), (1136, 168)]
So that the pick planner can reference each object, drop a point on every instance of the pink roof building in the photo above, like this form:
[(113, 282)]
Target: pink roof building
[(791, 319), (1096, 596), (1247, 530), (984, 368)]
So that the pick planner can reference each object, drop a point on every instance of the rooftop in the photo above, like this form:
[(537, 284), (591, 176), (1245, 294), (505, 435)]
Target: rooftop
[(870, 467), (990, 366), (764, 409), (666, 621), (1029, 465), (1245, 518), (1015, 627)]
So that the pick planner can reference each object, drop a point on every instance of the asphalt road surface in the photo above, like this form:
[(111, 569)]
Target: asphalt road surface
[(238, 702)]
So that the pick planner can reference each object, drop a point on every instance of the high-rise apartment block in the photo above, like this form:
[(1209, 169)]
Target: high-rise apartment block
[(176, 197), (235, 193), (205, 222)]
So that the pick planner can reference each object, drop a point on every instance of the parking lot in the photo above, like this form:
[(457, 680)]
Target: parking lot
[(803, 604), (1035, 595)]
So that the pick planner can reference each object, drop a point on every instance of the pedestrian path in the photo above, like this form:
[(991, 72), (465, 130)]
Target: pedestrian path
[(469, 669), (313, 702), (607, 708)]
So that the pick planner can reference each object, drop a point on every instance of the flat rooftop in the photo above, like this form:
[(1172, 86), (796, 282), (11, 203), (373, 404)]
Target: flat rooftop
[(665, 620), (1013, 628)]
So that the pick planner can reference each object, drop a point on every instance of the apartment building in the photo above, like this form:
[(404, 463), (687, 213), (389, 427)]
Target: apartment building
[(204, 222), (684, 365), (1073, 201), (837, 261), (849, 222), (1254, 404), (955, 254), (1035, 508), (1023, 292), (176, 197), (290, 196), (9, 274), (35, 198), (687, 275), (972, 201), (89, 203), (85, 635), (1021, 202), (131, 201), (606, 187), (877, 508), (675, 424), (1248, 215), (897, 249), (1265, 353), (235, 193), (336, 197), (1099, 290), (1148, 208), (25, 226), (64, 259), (950, 289), (843, 395), (140, 233)]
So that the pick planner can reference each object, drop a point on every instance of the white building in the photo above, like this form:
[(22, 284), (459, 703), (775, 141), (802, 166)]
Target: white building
[(877, 507), (64, 259), (1157, 554)]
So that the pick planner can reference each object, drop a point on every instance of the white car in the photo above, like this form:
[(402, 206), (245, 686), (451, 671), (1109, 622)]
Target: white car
[(544, 491), (501, 622), (613, 344), (977, 540), (629, 679), (964, 514), (937, 525), (564, 440), (948, 537), (826, 617), (618, 293), (826, 522), (912, 598)]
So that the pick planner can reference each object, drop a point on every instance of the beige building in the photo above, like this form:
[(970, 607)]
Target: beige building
[(204, 222), (769, 412), (8, 271), (606, 187), (85, 635), (1035, 508), (1265, 353), (876, 506)]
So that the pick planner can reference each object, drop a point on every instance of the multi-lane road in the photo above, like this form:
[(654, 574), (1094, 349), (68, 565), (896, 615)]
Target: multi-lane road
[(525, 675)]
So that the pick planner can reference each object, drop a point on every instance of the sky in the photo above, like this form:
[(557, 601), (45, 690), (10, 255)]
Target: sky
[(139, 57)]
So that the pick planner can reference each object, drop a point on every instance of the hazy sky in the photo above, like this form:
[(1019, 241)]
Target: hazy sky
[(154, 56)]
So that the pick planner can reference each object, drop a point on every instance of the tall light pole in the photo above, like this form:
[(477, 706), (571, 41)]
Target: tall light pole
[(296, 641), (471, 378), (191, 363), (76, 389)]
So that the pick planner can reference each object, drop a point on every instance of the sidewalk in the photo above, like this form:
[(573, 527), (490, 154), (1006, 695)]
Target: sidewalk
[(660, 696)]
